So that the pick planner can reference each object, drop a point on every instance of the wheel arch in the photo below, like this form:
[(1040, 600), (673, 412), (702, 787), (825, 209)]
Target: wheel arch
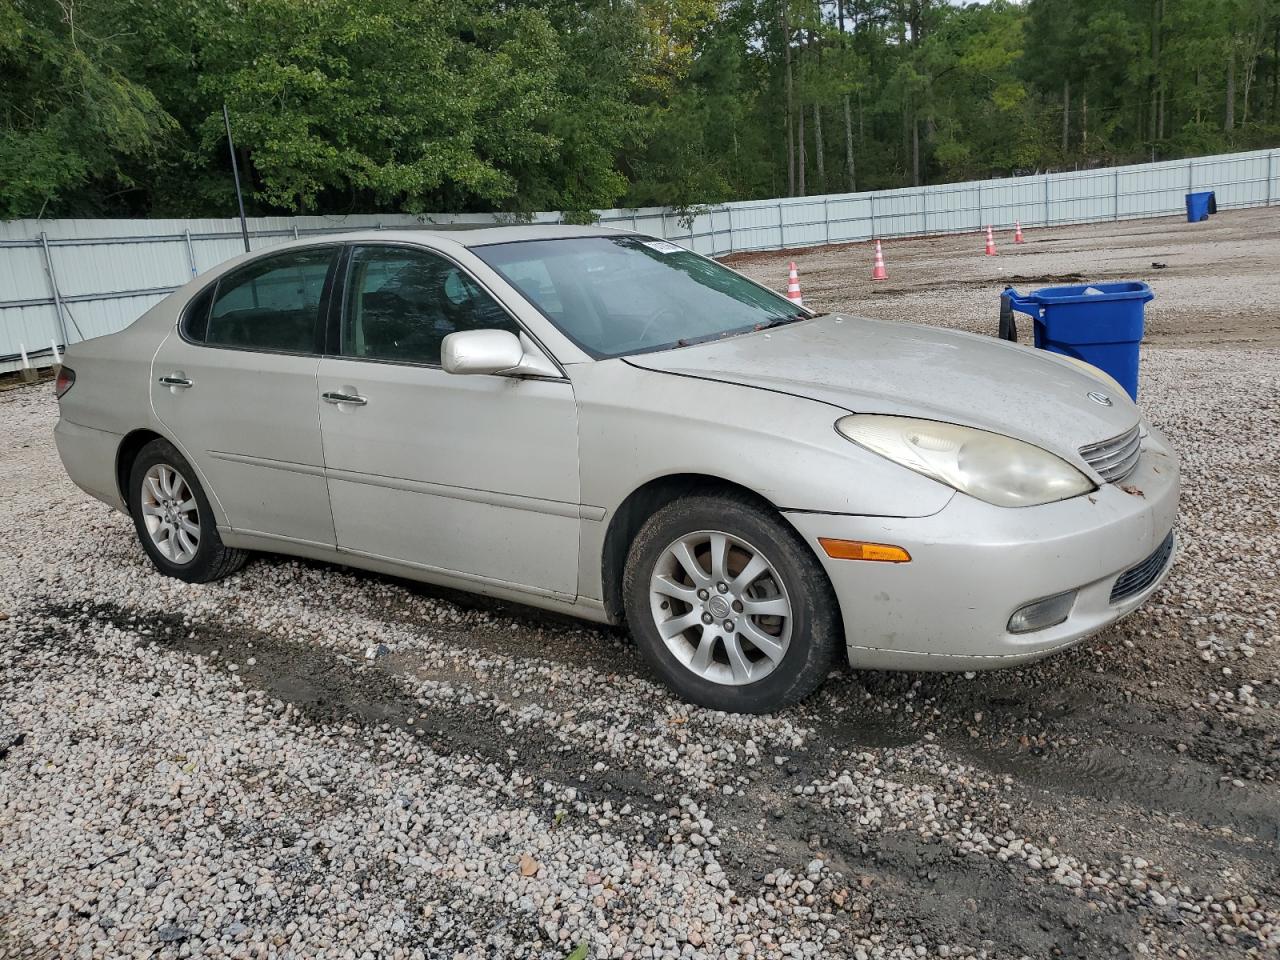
[(641, 504), (130, 446)]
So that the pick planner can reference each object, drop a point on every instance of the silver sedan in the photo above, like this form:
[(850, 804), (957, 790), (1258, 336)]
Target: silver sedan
[(609, 425)]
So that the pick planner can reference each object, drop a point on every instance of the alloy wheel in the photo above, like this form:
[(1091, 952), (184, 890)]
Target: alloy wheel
[(171, 513), (720, 607)]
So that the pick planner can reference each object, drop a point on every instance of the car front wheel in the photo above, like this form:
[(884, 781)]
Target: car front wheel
[(173, 518), (729, 606)]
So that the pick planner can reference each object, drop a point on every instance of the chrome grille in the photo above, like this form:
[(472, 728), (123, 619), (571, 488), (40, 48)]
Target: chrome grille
[(1116, 458), (1136, 579)]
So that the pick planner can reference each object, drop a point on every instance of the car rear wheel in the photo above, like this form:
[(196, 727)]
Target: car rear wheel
[(729, 606), (174, 521)]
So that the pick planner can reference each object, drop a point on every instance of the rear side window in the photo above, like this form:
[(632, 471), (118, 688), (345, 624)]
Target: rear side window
[(271, 304)]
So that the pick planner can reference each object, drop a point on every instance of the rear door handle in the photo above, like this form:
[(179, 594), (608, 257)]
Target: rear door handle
[(175, 381), (352, 398)]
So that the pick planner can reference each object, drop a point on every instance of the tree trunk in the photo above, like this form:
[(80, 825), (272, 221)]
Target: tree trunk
[(1157, 13), (1275, 76), (1084, 121), (850, 168), (819, 150), (801, 159), (1066, 112), (1248, 84), (1229, 121), (915, 151), (789, 108)]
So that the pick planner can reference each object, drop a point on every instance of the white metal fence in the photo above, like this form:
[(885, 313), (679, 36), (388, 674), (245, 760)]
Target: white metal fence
[(67, 280)]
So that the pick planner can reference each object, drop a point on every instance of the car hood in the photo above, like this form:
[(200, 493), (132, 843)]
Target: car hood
[(873, 366)]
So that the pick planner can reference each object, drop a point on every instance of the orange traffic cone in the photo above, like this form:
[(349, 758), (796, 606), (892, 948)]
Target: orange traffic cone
[(1017, 232), (991, 243), (879, 273), (793, 286)]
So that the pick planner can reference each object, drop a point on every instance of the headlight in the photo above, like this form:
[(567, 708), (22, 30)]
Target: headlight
[(991, 467), (1097, 373)]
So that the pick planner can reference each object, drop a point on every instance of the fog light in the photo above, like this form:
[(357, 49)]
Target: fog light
[(1039, 614)]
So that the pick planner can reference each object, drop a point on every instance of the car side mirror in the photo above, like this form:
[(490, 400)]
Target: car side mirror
[(494, 352)]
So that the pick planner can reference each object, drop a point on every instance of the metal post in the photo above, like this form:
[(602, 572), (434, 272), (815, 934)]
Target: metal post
[(782, 232), (235, 173), (1191, 178), (826, 218), (729, 208), (980, 223), (924, 211), (53, 286), (1115, 194), (1270, 157), (191, 252), (1046, 199), (872, 198), (295, 230)]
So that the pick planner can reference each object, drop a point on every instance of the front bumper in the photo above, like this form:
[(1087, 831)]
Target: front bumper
[(973, 564)]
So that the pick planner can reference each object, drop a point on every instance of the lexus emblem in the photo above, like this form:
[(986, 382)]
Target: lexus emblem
[(1097, 397)]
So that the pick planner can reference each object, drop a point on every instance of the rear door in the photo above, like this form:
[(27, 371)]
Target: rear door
[(475, 476), (235, 385)]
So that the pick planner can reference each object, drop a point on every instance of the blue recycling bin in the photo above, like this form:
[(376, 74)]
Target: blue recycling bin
[(1200, 205), (1099, 323)]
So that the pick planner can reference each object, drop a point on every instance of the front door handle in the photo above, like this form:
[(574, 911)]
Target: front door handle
[(352, 398), (175, 381)]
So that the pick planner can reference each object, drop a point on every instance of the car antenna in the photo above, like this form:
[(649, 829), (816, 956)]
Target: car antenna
[(235, 173)]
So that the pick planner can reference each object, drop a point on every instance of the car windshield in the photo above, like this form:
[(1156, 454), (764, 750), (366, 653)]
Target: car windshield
[(621, 295)]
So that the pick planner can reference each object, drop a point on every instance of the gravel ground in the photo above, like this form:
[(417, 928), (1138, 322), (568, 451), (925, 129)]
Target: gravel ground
[(303, 761)]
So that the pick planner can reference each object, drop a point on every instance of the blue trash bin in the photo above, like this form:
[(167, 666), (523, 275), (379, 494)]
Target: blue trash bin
[(1200, 205), (1099, 323)]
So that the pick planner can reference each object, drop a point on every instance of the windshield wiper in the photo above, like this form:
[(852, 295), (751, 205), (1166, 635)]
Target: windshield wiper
[(782, 321), (763, 325)]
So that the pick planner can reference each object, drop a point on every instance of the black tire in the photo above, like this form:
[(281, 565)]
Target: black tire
[(816, 630), (212, 560)]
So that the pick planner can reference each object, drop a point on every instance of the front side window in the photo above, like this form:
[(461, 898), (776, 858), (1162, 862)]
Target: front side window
[(271, 304), (619, 295), (402, 303)]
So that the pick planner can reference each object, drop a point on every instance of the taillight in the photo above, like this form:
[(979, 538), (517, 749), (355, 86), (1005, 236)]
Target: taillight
[(66, 380)]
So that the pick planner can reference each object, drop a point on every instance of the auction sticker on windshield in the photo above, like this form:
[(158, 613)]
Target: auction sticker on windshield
[(662, 246)]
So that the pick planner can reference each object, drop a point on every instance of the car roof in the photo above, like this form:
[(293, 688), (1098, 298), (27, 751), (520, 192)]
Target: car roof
[(478, 234)]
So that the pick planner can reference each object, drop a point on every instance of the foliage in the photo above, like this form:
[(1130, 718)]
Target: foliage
[(114, 107)]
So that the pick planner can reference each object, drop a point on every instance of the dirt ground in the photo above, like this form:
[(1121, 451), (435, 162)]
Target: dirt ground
[(164, 748), (1219, 282)]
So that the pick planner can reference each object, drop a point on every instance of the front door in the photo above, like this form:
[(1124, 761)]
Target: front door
[(236, 388), (474, 476)]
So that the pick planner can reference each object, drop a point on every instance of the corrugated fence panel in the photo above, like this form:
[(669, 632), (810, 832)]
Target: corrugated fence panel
[(757, 226), (850, 217), (110, 271), (22, 275)]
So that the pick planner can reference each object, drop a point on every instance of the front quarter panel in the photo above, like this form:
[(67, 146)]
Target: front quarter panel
[(638, 425)]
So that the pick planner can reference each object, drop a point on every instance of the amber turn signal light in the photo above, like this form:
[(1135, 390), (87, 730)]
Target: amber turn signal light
[(861, 550)]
